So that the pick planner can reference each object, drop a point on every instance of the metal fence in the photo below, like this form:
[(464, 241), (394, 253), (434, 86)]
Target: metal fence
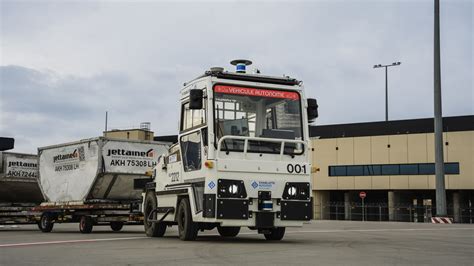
[(355, 211)]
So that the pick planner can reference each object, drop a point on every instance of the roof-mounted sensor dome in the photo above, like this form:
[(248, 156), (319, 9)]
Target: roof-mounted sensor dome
[(240, 65), (216, 69)]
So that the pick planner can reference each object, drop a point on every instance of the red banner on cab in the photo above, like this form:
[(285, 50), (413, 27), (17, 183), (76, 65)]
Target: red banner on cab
[(256, 92)]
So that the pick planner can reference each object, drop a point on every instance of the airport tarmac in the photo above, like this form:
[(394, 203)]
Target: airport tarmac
[(318, 243)]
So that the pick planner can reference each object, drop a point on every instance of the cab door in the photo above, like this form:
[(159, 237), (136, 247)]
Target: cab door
[(192, 141)]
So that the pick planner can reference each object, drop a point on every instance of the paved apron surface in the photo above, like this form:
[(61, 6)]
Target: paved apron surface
[(319, 243)]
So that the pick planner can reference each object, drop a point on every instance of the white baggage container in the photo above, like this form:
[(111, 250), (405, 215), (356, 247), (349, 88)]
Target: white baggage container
[(98, 169), (19, 179)]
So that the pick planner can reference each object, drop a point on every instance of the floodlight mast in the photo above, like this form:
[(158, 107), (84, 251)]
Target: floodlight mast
[(386, 84), (438, 121)]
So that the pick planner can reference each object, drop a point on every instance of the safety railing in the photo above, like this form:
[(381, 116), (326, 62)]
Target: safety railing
[(355, 211), (246, 140)]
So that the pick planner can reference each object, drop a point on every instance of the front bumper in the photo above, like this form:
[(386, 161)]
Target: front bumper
[(251, 212)]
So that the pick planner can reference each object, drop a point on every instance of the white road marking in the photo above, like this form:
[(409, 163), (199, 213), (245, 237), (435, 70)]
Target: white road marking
[(69, 241), (244, 233)]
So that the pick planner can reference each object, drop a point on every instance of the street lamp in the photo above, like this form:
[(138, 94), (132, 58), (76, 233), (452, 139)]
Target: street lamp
[(386, 84)]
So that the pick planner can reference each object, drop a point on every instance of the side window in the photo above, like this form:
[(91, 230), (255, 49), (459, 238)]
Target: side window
[(192, 118), (191, 151)]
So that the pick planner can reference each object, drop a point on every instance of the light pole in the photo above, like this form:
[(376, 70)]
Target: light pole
[(386, 84), (438, 121)]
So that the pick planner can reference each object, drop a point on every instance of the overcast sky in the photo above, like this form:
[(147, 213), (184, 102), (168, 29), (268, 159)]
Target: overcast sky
[(63, 63)]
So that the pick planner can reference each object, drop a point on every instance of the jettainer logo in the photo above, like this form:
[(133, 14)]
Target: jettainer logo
[(121, 152), (22, 164), (69, 161), (76, 154)]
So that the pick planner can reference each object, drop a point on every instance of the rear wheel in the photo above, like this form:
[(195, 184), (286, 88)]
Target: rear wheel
[(275, 233), (116, 226), (46, 223), (152, 229), (86, 224), (187, 229), (228, 231)]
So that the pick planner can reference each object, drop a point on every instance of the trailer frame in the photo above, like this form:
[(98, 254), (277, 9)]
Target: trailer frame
[(89, 214)]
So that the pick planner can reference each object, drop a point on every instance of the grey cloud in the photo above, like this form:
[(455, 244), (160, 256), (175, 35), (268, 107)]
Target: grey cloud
[(44, 107), (132, 58)]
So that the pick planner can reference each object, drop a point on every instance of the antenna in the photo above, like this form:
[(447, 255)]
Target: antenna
[(106, 114)]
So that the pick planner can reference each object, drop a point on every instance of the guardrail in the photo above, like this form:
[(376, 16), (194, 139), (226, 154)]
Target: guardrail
[(355, 211)]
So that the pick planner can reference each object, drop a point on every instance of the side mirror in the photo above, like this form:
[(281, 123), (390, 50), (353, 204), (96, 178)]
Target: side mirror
[(312, 109), (195, 99)]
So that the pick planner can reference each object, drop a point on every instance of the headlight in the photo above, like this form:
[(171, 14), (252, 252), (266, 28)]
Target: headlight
[(233, 189), (230, 188), (296, 191), (292, 191)]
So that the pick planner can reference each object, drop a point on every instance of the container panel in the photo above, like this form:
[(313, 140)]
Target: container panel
[(131, 157), (19, 166), (19, 178), (68, 172), (116, 187)]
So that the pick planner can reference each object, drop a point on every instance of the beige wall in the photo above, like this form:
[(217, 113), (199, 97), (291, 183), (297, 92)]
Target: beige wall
[(135, 134), (392, 149)]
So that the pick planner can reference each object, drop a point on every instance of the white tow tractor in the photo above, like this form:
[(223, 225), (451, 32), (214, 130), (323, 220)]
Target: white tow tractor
[(243, 158)]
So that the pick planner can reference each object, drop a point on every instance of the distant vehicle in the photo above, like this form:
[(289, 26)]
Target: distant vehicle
[(242, 158)]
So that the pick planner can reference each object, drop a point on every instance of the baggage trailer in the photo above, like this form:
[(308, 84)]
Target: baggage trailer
[(19, 188), (96, 181), (89, 214), (243, 158)]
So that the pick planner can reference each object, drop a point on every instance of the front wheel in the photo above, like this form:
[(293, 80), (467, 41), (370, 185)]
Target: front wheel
[(46, 222), (275, 233), (228, 231), (152, 229), (187, 229), (116, 226)]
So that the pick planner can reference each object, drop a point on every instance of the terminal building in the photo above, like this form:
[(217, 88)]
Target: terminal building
[(393, 163)]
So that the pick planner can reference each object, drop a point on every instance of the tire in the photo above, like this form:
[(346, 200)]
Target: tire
[(228, 231), (46, 222), (152, 229), (116, 226), (187, 229), (86, 224), (276, 233)]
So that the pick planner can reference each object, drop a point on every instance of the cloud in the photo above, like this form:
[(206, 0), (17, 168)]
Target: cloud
[(45, 108), (65, 64)]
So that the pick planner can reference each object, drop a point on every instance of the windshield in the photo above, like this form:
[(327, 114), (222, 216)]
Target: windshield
[(252, 112)]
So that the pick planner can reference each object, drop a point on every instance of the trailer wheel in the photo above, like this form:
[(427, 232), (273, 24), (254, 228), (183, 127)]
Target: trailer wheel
[(116, 226), (228, 231), (187, 229), (152, 229), (46, 222), (275, 233), (86, 224)]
